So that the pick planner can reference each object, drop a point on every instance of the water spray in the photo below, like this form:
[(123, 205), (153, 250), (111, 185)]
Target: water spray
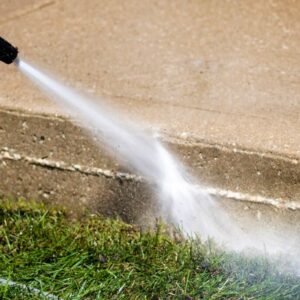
[(182, 203), (8, 53)]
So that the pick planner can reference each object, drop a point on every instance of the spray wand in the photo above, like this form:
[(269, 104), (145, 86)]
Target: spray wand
[(8, 53)]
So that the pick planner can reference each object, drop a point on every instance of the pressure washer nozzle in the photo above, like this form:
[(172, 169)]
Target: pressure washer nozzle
[(8, 53)]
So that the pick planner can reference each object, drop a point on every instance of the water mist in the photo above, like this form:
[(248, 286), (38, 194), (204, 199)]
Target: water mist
[(182, 202)]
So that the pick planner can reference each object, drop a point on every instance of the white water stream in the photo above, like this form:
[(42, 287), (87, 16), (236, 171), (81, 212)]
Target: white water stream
[(182, 203)]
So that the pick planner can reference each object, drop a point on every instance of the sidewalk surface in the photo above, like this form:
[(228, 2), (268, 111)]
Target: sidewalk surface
[(223, 71)]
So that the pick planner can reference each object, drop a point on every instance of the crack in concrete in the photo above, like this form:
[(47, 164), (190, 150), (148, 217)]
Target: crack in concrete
[(10, 154), (209, 110), (21, 13)]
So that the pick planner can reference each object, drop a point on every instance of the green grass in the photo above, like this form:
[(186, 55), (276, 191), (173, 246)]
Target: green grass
[(98, 258)]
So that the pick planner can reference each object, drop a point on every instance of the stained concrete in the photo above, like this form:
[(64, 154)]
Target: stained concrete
[(84, 190)]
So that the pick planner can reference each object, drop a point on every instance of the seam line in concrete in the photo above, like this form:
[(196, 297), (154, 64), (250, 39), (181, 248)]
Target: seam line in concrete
[(10, 154)]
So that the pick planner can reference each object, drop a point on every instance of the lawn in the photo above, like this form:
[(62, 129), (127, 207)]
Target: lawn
[(98, 258)]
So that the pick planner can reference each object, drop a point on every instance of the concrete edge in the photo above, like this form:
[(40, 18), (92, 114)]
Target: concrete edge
[(190, 140)]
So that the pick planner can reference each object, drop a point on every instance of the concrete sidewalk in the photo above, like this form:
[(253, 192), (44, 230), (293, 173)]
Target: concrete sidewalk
[(225, 72), (219, 79)]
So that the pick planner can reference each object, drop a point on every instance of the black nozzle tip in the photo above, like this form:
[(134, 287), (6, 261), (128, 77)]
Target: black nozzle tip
[(8, 53)]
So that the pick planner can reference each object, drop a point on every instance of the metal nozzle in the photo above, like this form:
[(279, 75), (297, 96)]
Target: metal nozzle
[(8, 53)]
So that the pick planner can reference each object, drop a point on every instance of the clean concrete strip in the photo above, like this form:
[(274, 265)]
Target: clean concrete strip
[(30, 289), (10, 154)]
